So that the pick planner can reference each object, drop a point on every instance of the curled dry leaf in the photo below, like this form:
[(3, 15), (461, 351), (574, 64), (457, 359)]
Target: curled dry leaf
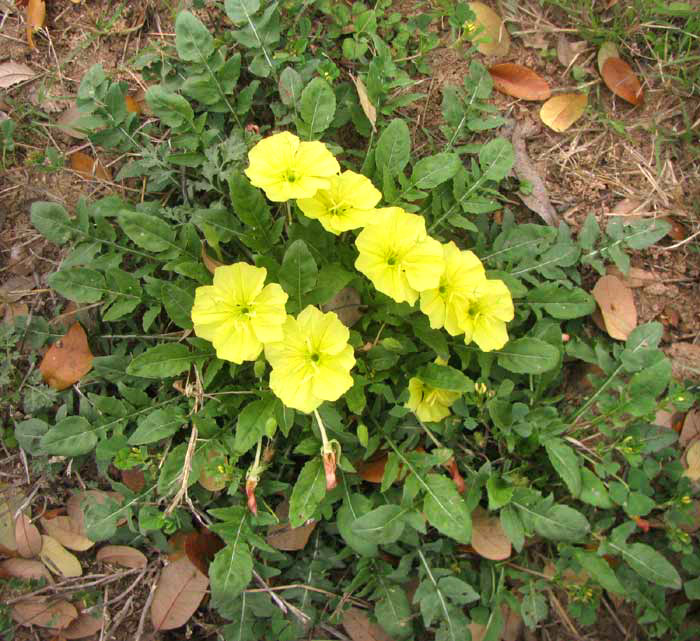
[(59, 560), (622, 81), (519, 82), (86, 624), (617, 306), (366, 104), (691, 427), (27, 537), (44, 612), (488, 538), (360, 628), (122, 555), (12, 73), (67, 360), (562, 111), (493, 39), (691, 460), (89, 167), (25, 569), (201, 548), (181, 588), (67, 532), (36, 16), (283, 536)]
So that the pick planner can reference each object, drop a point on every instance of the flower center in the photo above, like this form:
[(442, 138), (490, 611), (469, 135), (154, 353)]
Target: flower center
[(315, 358), (391, 260), (291, 176)]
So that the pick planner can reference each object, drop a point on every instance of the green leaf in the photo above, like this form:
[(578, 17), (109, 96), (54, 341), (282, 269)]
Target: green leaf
[(599, 569), (172, 109), (290, 86), (308, 492), (251, 208), (178, 303), (193, 41), (445, 377), (533, 607), (445, 509), (561, 523), (589, 233), (52, 222), (593, 490), (29, 434), (163, 361), (692, 589), (528, 356), (252, 421), (72, 436), (230, 572), (241, 10), (562, 303), (382, 525), (299, 272), (496, 159), (499, 492), (354, 506), (170, 477), (567, 464), (392, 610), (146, 231), (434, 170), (157, 425), (101, 517), (393, 148), (317, 105), (644, 232), (650, 565), (79, 284), (513, 527)]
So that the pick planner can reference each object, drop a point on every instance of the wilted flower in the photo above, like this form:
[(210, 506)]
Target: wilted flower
[(398, 256), (484, 322), (238, 313), (286, 168), (311, 362), (442, 305), (348, 203), (429, 403)]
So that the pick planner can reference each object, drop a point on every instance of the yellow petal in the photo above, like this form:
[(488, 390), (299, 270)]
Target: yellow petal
[(489, 334), (238, 346), (424, 264), (314, 159)]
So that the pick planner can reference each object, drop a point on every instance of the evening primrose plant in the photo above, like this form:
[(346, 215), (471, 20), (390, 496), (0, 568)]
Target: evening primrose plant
[(302, 322)]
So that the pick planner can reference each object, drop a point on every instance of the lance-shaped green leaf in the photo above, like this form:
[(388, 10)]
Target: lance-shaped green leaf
[(193, 41), (566, 463), (317, 105), (52, 221), (308, 492), (528, 356), (382, 525), (72, 436), (393, 148), (445, 508), (299, 271), (230, 572)]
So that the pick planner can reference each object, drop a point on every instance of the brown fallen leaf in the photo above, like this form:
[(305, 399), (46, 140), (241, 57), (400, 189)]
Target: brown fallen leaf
[(606, 50), (77, 502), (210, 478), (44, 612), (617, 306), (67, 360), (493, 39), (89, 167), (12, 73), (180, 589), (488, 538), (283, 536), (210, 263), (538, 200), (132, 105), (691, 460), (519, 82), (693, 523), (87, 624), (635, 277), (27, 537), (372, 471), (36, 16), (25, 569), (369, 109), (67, 532), (8, 506), (622, 81), (59, 560), (123, 555), (201, 548), (567, 52), (347, 304), (562, 111), (677, 230), (360, 628), (12, 311), (691, 427), (134, 479)]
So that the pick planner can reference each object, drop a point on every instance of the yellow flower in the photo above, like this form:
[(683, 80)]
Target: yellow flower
[(285, 168), (347, 204), (398, 256), (311, 362), (484, 322), (442, 305), (238, 313), (429, 403)]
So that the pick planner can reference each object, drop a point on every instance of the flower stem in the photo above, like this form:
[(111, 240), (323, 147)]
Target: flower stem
[(324, 437)]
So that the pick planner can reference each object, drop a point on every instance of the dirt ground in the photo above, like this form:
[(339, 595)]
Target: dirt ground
[(591, 168)]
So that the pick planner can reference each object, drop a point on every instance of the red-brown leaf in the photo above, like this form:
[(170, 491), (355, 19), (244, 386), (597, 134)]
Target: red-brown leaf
[(622, 81), (181, 588), (44, 613), (88, 166), (27, 536), (85, 625), (122, 555), (519, 82), (201, 547), (67, 360)]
